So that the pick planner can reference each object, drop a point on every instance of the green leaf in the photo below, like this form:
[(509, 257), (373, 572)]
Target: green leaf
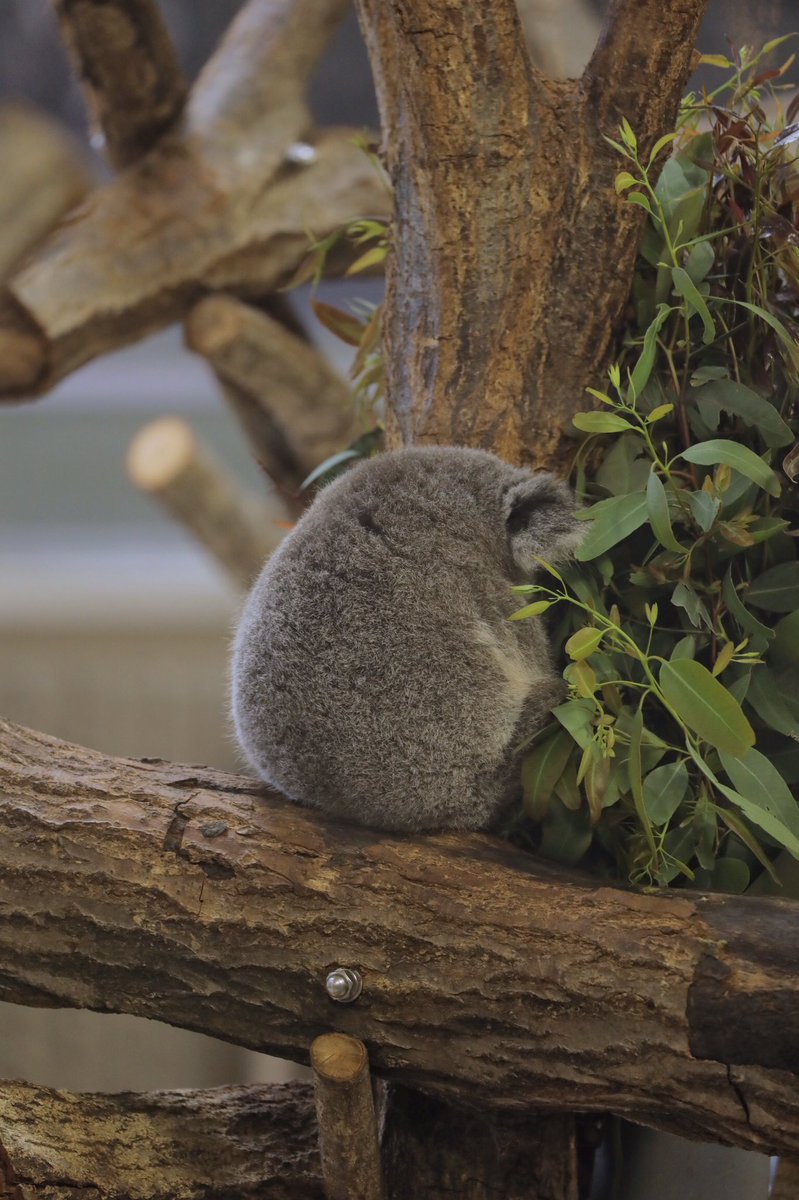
[(739, 457), (531, 610), (685, 286), (635, 770), (584, 642), (769, 802), (685, 597), (699, 261), (627, 135), (657, 414), (577, 717), (624, 469), (661, 144), (601, 422), (657, 505), (685, 648), (565, 835), (611, 521), (784, 650), (764, 699), (640, 199), (748, 623), (541, 770), (646, 359), (730, 875), (743, 402), (664, 791), (624, 180), (704, 509), (705, 705), (776, 590), (769, 319)]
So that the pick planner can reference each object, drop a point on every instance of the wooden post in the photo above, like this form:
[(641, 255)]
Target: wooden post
[(166, 460), (348, 1138)]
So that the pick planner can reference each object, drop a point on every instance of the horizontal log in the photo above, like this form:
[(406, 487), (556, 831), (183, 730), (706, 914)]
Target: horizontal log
[(211, 1144), (130, 71), (489, 978)]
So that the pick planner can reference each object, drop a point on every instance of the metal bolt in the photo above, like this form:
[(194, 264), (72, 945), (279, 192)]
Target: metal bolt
[(301, 154), (344, 984)]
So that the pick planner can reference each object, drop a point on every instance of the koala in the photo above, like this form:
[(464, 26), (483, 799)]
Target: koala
[(376, 675)]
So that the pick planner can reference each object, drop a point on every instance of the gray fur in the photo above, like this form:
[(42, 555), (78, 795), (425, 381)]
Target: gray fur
[(376, 675)]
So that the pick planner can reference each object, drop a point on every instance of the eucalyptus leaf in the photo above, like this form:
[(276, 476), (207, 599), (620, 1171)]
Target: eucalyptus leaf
[(699, 261), (565, 835), (664, 790), (688, 290), (739, 457), (657, 505), (611, 521), (785, 647), (705, 705), (765, 700), (756, 779), (601, 422), (776, 590), (728, 396), (737, 609), (704, 509), (541, 771), (577, 717)]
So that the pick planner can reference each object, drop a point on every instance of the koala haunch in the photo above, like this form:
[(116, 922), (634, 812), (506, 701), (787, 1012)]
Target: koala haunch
[(376, 675)]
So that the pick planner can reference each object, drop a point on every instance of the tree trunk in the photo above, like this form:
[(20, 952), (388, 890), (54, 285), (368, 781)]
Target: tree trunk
[(512, 255), (490, 979)]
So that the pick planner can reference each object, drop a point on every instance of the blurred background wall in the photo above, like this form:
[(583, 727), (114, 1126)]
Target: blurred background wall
[(114, 627)]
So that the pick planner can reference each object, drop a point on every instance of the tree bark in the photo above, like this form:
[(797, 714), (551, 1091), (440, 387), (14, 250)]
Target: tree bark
[(131, 74), (44, 175), (348, 1138), (490, 979), (307, 410), (213, 1144), (434, 1150), (512, 255)]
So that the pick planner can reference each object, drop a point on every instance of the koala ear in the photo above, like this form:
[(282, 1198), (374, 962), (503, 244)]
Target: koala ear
[(539, 518)]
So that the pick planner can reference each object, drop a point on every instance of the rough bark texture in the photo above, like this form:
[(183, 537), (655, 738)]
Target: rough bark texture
[(504, 1159), (130, 71), (44, 175), (306, 409), (786, 1185), (512, 255), (214, 205), (215, 1144), (348, 1136), (489, 980)]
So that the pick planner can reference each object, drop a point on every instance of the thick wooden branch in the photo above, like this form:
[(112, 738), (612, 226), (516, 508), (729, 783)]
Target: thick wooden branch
[(44, 175), (147, 246), (129, 69), (196, 898), (219, 204), (166, 461), (512, 253), (214, 1144), (301, 410)]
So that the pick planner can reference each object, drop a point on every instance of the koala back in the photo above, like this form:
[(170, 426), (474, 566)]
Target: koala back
[(375, 673)]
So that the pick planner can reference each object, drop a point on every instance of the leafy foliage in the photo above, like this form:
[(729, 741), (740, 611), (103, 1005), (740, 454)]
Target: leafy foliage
[(675, 756)]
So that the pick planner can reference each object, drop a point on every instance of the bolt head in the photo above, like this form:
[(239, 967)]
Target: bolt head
[(344, 984)]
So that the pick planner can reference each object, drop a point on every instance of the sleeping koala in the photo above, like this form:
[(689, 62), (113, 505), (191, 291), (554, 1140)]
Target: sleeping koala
[(376, 675)]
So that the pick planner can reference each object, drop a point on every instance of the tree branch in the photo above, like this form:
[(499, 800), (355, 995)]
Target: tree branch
[(166, 461), (345, 1109), (490, 979), (214, 1144), (44, 175), (147, 245), (308, 408), (124, 57)]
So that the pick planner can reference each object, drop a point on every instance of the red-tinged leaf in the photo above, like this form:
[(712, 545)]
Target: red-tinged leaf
[(343, 324)]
